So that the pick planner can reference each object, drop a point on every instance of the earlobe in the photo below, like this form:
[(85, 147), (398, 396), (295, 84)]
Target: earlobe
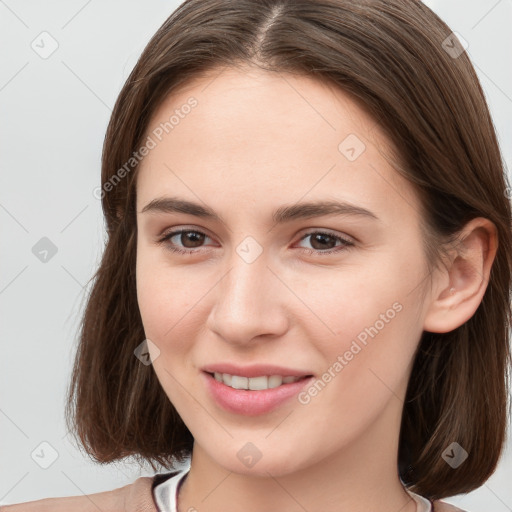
[(463, 285)]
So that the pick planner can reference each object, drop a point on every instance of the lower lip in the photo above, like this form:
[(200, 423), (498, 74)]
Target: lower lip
[(252, 403)]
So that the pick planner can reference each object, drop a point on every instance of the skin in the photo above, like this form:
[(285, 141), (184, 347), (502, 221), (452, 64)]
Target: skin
[(257, 141)]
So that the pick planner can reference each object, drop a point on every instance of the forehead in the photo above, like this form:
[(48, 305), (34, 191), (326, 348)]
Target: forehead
[(264, 134), (265, 102)]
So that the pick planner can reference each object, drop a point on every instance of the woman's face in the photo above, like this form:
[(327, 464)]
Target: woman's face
[(275, 277)]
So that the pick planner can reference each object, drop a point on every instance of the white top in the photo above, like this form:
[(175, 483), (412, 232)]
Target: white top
[(166, 494)]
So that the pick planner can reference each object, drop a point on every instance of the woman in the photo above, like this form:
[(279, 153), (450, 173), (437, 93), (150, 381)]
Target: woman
[(357, 372)]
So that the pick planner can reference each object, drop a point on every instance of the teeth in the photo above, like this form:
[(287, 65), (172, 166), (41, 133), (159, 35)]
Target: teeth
[(254, 383), (275, 381), (239, 382)]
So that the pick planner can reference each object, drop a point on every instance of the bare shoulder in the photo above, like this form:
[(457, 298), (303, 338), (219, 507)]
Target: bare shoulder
[(136, 496)]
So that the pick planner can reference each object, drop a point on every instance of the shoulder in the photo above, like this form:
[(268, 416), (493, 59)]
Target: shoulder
[(134, 497)]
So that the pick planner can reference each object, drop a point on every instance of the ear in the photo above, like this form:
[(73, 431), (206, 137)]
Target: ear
[(460, 288)]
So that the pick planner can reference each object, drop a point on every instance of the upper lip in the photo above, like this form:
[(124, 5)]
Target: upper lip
[(255, 370)]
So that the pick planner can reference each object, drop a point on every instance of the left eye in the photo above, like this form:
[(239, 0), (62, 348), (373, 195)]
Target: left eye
[(319, 239)]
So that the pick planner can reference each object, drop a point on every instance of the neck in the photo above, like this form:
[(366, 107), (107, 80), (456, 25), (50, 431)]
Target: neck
[(360, 476)]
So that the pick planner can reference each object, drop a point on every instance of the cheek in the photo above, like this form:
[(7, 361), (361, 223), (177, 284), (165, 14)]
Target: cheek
[(377, 327), (362, 377), (162, 294), (171, 303), (164, 300), (152, 299)]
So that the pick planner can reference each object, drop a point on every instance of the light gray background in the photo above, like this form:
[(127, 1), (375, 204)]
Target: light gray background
[(54, 113)]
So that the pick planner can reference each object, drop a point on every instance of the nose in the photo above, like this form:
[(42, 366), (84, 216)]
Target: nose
[(249, 301)]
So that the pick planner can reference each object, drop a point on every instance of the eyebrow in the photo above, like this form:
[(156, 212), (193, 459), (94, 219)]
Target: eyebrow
[(283, 214)]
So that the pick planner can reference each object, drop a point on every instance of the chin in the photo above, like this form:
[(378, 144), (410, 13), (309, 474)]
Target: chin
[(274, 464)]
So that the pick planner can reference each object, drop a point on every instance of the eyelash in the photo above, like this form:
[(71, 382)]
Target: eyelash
[(347, 244)]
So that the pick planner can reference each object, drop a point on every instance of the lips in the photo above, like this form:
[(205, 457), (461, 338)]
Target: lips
[(252, 403), (255, 370)]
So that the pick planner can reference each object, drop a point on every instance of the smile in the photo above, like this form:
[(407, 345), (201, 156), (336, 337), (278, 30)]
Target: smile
[(254, 383), (252, 402)]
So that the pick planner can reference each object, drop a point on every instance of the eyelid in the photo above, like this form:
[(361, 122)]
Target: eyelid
[(183, 227), (334, 233)]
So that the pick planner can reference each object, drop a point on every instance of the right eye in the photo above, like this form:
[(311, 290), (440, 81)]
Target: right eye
[(186, 236)]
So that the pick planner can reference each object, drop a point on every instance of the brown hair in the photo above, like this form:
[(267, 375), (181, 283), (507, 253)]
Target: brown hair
[(392, 56)]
